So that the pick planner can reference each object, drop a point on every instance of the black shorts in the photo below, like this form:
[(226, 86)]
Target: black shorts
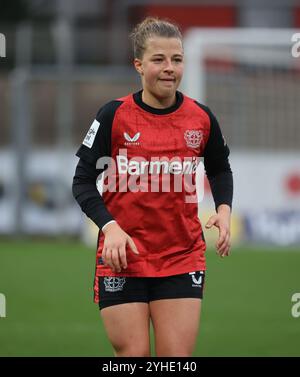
[(121, 290)]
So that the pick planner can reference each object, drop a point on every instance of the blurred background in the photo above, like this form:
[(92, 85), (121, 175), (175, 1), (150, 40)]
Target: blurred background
[(64, 60)]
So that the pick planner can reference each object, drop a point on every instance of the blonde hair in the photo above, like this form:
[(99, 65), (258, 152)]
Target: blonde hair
[(152, 27)]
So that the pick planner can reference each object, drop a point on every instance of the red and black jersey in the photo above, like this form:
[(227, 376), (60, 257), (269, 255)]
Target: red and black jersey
[(144, 146)]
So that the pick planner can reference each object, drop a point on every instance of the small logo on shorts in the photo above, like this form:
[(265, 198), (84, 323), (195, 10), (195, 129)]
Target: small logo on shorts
[(197, 282), (114, 284)]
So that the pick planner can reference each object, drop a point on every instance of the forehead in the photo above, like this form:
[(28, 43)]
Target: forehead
[(161, 45)]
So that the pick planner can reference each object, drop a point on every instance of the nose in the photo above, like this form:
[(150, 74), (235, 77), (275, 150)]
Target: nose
[(169, 66)]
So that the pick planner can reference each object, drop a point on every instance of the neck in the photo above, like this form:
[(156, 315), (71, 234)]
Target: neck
[(158, 103)]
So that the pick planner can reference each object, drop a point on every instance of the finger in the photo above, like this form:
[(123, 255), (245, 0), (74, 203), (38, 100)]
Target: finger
[(109, 259), (122, 254), (228, 246), (224, 241), (224, 245), (226, 252), (106, 254), (132, 245), (210, 222), (115, 259), (225, 249), (103, 255), (222, 237)]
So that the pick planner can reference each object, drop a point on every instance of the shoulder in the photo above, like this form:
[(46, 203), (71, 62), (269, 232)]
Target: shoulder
[(196, 105), (204, 109), (109, 109)]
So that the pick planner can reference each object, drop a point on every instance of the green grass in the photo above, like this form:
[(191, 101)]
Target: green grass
[(48, 289)]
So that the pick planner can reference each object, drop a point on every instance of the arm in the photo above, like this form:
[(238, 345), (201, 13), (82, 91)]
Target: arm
[(92, 204), (219, 174), (87, 196), (97, 144)]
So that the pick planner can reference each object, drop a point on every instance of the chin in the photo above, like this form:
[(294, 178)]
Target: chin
[(166, 92)]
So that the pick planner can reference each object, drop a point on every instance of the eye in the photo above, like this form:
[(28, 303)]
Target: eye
[(157, 60)]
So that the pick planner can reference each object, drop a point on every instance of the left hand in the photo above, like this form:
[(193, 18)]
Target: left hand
[(222, 221)]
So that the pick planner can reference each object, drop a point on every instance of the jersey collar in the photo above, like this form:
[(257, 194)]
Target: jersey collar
[(138, 100)]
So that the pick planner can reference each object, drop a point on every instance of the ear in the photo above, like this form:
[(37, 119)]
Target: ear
[(138, 66)]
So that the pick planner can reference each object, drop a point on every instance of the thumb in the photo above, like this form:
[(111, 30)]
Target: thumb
[(210, 222), (132, 245)]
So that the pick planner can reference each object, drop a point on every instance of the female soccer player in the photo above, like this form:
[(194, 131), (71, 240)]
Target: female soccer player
[(150, 259)]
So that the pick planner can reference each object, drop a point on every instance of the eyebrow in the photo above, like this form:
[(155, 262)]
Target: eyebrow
[(179, 55)]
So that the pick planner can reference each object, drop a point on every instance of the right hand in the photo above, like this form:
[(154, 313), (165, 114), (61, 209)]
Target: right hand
[(114, 249)]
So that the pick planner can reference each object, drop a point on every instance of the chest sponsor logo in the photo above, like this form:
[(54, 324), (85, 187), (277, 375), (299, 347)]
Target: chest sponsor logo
[(193, 138), (132, 140), (157, 174), (140, 166), (91, 134), (114, 284)]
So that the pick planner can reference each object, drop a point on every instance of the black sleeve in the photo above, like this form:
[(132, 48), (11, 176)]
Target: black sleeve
[(217, 164), (222, 188), (96, 144), (87, 195)]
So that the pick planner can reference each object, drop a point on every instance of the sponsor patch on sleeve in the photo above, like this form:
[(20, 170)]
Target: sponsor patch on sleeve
[(91, 134)]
